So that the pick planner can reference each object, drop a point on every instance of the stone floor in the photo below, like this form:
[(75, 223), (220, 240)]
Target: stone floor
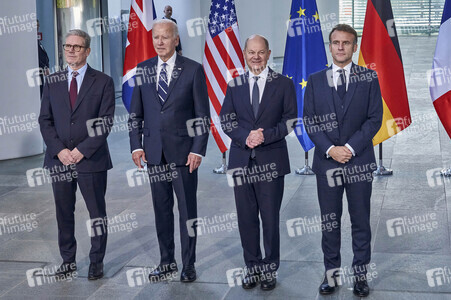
[(403, 261)]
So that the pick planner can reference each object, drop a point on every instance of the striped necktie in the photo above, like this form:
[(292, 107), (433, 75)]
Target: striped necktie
[(163, 84)]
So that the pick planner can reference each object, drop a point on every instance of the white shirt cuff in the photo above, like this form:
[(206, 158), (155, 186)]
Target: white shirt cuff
[(137, 150), (327, 152), (196, 154), (350, 149)]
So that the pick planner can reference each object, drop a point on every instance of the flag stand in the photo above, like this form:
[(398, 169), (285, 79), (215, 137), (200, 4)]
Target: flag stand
[(381, 170), (306, 170), (223, 168), (446, 172)]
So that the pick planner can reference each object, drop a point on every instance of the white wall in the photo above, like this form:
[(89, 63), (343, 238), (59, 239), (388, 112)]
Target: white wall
[(20, 103)]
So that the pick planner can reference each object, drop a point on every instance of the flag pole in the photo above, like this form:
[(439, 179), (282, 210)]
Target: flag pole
[(223, 168), (306, 170), (381, 170)]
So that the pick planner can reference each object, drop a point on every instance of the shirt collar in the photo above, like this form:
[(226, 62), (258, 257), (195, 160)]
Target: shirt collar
[(80, 71), (263, 74), (347, 68), (170, 62)]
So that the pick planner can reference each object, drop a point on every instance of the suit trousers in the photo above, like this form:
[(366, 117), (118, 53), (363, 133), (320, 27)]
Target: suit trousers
[(93, 188), (264, 198), (330, 198), (165, 179)]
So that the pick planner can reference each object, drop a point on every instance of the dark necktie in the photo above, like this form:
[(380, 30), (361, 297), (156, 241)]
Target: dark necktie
[(255, 96), (341, 83), (73, 90), (163, 84)]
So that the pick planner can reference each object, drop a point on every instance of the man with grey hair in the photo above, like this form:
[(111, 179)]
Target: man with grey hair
[(76, 116), (257, 107), (170, 111)]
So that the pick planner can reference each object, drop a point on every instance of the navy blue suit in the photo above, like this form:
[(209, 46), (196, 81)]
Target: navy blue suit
[(353, 120), (167, 141), (264, 197), (63, 127)]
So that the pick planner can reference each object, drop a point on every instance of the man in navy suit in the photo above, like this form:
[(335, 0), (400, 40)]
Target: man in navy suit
[(77, 113), (168, 15), (342, 113), (163, 109), (257, 108)]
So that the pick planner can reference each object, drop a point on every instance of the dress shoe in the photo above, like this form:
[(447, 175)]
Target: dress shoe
[(163, 272), (361, 288), (250, 280), (268, 282), (325, 288), (188, 274), (95, 271), (66, 269)]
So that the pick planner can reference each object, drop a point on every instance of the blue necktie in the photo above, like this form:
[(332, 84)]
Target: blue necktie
[(255, 96), (163, 84), (341, 84)]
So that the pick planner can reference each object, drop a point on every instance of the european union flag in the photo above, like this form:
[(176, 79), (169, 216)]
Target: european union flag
[(304, 55)]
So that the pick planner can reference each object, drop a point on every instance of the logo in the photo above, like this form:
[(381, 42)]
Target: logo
[(235, 177), (193, 227), (95, 26), (395, 227), (96, 227), (136, 177), (35, 277), (37, 176), (335, 177), (438, 276), (34, 77), (136, 277), (235, 277), (197, 126), (296, 125), (97, 127), (434, 177), (334, 277), (196, 27)]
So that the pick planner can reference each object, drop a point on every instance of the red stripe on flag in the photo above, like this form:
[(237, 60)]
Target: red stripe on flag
[(213, 98), (236, 45), (443, 107), (223, 52), (218, 139), (216, 72)]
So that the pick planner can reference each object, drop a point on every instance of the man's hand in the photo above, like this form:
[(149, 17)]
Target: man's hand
[(76, 155), (65, 157), (193, 162), (137, 156), (341, 154), (255, 138)]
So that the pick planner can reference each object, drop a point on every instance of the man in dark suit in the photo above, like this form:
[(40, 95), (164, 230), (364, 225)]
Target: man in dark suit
[(343, 112), (162, 109), (257, 107), (43, 61), (76, 116), (168, 15)]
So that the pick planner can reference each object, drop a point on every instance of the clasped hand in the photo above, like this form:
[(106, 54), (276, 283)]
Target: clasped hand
[(255, 138)]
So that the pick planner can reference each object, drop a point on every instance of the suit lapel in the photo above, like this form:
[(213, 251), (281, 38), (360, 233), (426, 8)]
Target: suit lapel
[(329, 84), (88, 80), (176, 73), (353, 81), (270, 88)]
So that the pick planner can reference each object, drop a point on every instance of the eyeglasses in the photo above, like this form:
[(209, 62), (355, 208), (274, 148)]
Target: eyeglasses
[(68, 47)]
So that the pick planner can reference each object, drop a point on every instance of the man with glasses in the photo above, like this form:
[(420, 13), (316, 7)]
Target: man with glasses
[(76, 116)]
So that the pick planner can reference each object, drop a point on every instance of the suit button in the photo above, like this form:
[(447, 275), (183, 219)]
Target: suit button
[(162, 112), (72, 123), (71, 141)]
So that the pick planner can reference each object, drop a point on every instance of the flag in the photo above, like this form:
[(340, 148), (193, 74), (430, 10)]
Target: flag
[(379, 51), (440, 79), (223, 60), (304, 55), (139, 46)]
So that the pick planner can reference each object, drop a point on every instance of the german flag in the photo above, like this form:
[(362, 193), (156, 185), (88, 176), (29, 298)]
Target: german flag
[(379, 51)]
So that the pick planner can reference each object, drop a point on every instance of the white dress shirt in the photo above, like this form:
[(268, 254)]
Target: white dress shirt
[(347, 70), (261, 82), (81, 74)]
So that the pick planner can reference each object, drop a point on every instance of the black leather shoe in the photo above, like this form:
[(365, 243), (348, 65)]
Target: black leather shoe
[(361, 288), (188, 274), (325, 288), (268, 282), (163, 272), (250, 281), (66, 269), (95, 271)]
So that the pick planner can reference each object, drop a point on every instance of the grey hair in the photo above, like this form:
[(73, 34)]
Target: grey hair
[(254, 36), (82, 34), (175, 28)]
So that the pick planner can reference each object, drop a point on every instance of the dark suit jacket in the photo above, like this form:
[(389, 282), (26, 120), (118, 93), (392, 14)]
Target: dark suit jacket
[(277, 106), (63, 128), (165, 126), (358, 121), (43, 57)]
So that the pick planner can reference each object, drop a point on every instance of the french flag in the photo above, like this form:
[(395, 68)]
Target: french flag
[(440, 79), (139, 46)]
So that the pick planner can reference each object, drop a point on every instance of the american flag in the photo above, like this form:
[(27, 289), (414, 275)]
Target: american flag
[(139, 45), (223, 61)]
